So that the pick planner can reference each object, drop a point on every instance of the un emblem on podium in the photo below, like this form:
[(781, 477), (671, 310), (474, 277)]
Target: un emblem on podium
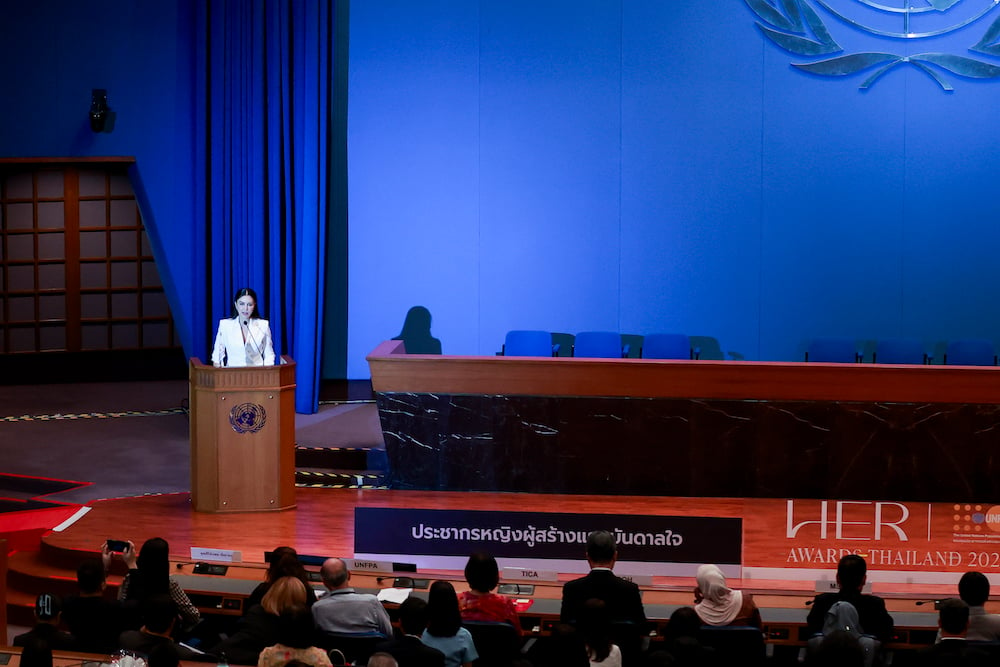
[(247, 417), (806, 28)]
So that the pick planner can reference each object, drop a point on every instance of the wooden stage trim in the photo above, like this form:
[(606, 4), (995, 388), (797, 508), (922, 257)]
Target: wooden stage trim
[(393, 370), (323, 525)]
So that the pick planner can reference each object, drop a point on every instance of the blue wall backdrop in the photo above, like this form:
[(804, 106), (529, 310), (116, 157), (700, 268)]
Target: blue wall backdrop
[(635, 165), (54, 53), (659, 166)]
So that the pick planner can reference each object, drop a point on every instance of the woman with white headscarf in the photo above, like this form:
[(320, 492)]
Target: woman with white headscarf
[(717, 604)]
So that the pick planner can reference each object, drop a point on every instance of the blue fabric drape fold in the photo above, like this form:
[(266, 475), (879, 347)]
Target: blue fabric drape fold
[(266, 103)]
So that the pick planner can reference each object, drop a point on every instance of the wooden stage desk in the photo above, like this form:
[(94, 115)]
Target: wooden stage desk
[(689, 428)]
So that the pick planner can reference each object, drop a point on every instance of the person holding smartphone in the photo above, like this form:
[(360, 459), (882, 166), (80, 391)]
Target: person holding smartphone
[(149, 575)]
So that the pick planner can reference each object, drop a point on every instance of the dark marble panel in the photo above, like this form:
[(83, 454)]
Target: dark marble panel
[(708, 448)]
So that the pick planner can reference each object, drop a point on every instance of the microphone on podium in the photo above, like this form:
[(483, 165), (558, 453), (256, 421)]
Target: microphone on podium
[(260, 351)]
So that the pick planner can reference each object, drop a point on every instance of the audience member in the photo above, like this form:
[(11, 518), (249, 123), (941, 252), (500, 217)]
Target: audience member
[(342, 609), (952, 650), (444, 626), (48, 609), (382, 660), (622, 597), (259, 627), (149, 575), (160, 614), (35, 652), (479, 603), (164, 655), (851, 577), (717, 604), (681, 640), (409, 650), (93, 621), (839, 648), (295, 639), (564, 647), (974, 589), (659, 658), (283, 562), (595, 629)]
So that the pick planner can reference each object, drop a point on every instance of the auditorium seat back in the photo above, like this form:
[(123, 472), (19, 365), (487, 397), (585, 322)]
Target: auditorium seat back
[(734, 644), (970, 352), (666, 346), (833, 350), (599, 345), (900, 351), (527, 343), (498, 644)]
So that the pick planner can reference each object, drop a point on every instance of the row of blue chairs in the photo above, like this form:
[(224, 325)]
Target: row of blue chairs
[(597, 344), (966, 352)]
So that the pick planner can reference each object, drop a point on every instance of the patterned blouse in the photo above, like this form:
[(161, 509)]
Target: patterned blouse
[(280, 655), (488, 607)]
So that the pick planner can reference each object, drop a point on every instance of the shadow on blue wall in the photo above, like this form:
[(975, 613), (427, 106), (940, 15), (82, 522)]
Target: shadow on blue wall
[(416, 333)]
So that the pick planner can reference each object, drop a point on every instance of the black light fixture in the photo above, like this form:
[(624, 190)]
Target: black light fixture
[(98, 109)]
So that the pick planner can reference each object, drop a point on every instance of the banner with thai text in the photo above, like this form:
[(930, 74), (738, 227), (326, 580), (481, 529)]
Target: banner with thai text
[(523, 537)]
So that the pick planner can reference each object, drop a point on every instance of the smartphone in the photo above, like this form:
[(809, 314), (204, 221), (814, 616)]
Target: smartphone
[(118, 546)]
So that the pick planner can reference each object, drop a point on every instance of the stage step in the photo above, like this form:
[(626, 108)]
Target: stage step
[(347, 458), (341, 467), (340, 479)]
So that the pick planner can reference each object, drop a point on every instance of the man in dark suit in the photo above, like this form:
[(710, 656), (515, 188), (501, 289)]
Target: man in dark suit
[(621, 597), (852, 572), (408, 650), (952, 650)]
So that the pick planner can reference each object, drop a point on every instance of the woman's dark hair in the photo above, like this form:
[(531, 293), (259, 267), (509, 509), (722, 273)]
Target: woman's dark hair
[(246, 291), (295, 627), (443, 617), (594, 625), (284, 562), (482, 572), (684, 622), (153, 576)]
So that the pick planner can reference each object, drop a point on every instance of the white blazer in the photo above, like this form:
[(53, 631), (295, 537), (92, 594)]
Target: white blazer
[(232, 350)]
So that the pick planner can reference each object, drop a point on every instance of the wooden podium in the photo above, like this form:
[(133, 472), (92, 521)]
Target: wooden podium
[(242, 437)]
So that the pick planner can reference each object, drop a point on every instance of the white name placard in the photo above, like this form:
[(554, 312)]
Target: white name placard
[(216, 555), (831, 586), (358, 565), (529, 574)]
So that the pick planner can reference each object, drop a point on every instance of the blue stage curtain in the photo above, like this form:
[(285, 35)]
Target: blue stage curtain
[(265, 96)]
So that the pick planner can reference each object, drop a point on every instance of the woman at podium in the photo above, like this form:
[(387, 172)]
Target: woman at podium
[(243, 339)]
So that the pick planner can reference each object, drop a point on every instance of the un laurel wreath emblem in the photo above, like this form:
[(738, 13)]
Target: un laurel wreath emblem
[(247, 417), (800, 27)]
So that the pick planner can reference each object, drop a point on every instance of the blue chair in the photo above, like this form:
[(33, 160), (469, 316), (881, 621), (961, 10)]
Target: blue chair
[(498, 644), (666, 346), (899, 351), (599, 345), (526, 343), (833, 350), (971, 352)]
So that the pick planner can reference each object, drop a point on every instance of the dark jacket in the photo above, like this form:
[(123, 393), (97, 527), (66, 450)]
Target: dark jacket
[(875, 620), (621, 597), (409, 651)]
